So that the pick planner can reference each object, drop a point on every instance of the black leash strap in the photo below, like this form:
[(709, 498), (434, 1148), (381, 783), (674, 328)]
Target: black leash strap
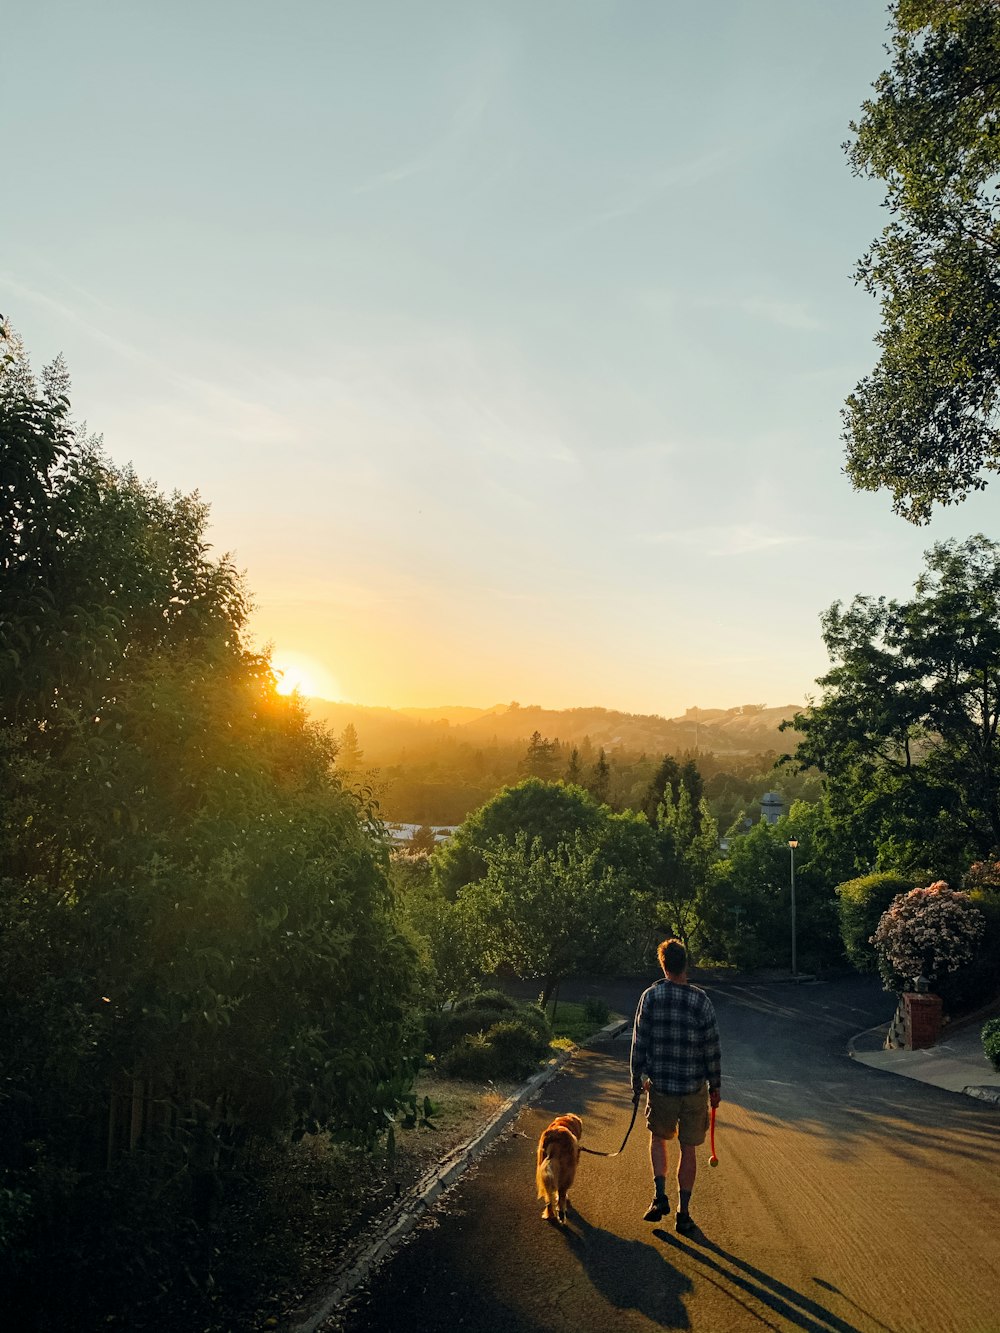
[(594, 1152)]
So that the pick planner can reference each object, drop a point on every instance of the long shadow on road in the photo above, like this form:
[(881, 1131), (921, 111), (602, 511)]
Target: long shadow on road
[(801, 1311), (629, 1274)]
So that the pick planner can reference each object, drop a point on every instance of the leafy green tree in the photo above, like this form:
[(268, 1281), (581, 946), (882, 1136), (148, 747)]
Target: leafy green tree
[(688, 848), (550, 912), (548, 811), (746, 913), (924, 423), (906, 729), (190, 903)]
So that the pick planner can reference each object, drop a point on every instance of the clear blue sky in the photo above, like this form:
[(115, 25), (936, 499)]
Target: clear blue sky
[(506, 340)]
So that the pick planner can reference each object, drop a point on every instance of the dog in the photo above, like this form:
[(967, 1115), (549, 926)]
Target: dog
[(558, 1155)]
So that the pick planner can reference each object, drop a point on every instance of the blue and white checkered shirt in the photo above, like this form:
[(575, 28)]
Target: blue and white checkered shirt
[(675, 1041)]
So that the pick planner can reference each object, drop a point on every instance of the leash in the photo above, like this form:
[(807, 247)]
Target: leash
[(594, 1152)]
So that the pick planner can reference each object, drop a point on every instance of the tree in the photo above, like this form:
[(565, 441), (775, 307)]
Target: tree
[(574, 770), (549, 912), (906, 729), (542, 758), (548, 811), (600, 781), (688, 848), (349, 751), (191, 904), (745, 914), (924, 423)]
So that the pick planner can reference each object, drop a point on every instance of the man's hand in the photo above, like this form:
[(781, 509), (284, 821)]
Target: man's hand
[(714, 1097)]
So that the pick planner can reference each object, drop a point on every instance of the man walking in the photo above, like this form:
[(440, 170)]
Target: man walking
[(676, 1057)]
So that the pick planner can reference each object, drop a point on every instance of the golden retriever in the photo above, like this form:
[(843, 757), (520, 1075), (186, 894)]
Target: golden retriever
[(558, 1155)]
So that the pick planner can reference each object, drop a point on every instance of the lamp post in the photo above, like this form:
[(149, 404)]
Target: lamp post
[(792, 844)]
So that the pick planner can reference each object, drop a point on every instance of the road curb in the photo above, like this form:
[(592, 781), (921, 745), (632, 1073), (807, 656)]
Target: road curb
[(411, 1208), (986, 1094)]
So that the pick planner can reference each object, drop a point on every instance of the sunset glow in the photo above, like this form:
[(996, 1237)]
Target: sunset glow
[(303, 674)]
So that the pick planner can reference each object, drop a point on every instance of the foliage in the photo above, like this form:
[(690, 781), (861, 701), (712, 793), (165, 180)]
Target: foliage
[(596, 1010), (550, 913), (449, 961), (932, 931), (687, 844), (493, 1040), (862, 903), (924, 423), (991, 1041), (197, 935), (745, 914), (906, 731), (547, 811)]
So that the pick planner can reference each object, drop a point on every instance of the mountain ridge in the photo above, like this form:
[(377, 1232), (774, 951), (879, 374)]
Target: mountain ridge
[(743, 729)]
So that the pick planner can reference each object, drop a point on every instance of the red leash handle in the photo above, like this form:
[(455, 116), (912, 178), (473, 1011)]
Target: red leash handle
[(713, 1160)]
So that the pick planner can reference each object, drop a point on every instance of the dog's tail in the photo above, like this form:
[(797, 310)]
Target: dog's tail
[(545, 1177)]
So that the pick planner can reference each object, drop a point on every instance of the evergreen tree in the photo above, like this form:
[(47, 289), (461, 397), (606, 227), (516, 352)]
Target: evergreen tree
[(349, 751), (600, 782)]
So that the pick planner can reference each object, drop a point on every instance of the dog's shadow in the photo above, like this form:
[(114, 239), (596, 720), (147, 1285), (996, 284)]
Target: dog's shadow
[(629, 1274)]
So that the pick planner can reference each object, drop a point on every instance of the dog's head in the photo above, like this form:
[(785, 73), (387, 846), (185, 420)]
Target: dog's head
[(571, 1122)]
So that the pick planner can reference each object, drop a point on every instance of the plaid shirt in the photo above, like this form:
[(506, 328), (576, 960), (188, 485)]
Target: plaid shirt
[(675, 1040)]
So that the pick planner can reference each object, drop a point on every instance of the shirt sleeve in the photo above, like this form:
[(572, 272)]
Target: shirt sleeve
[(640, 1045), (712, 1047)]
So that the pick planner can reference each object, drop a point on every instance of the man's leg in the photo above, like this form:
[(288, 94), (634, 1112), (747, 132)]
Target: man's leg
[(658, 1158), (687, 1169)]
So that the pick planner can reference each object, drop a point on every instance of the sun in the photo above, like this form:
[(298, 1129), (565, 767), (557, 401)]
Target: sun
[(296, 674)]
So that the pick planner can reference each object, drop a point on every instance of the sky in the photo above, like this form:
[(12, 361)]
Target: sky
[(506, 340)]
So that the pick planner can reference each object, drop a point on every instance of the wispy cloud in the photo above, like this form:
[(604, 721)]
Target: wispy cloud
[(458, 133), (723, 540), (788, 314)]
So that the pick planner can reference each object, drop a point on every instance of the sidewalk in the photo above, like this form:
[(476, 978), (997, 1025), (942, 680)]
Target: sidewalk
[(957, 1063)]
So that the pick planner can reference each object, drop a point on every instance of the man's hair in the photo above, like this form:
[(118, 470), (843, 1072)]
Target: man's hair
[(673, 956)]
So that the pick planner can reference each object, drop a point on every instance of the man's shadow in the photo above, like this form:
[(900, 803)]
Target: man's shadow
[(730, 1271), (629, 1274)]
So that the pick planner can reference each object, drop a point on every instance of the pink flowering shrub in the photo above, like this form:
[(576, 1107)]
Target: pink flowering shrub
[(933, 931)]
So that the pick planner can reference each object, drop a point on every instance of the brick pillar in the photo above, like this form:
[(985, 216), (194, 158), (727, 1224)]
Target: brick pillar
[(923, 1020)]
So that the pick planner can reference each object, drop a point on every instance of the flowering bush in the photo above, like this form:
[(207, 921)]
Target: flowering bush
[(933, 931), (983, 876)]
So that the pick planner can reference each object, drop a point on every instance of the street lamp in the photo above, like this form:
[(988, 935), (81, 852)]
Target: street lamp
[(792, 844)]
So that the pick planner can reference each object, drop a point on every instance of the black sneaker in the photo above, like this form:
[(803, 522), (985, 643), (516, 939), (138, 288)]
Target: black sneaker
[(656, 1210), (685, 1224)]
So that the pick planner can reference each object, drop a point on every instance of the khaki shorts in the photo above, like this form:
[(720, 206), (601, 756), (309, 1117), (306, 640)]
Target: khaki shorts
[(666, 1111)]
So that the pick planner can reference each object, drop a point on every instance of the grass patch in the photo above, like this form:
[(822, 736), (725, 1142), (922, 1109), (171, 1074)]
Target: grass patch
[(575, 1022)]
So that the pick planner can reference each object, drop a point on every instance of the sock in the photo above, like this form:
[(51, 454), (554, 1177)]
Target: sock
[(660, 1186), (685, 1200)]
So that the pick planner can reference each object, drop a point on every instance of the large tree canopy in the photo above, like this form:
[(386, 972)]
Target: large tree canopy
[(906, 729), (196, 929), (924, 424)]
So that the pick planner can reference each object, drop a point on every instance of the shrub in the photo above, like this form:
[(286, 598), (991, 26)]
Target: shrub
[(494, 1000), (505, 1042), (471, 1058), (861, 904), (516, 1048), (933, 931), (596, 1010), (991, 1042)]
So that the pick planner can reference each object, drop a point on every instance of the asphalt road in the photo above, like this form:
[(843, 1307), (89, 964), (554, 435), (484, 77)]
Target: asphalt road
[(846, 1200)]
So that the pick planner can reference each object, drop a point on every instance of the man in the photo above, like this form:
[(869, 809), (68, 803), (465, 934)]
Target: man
[(676, 1057)]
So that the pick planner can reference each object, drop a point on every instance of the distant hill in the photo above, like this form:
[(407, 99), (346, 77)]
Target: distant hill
[(384, 732)]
